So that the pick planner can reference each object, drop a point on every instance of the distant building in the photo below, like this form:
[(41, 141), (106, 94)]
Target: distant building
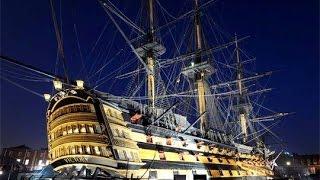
[(298, 166), (22, 159), (311, 161)]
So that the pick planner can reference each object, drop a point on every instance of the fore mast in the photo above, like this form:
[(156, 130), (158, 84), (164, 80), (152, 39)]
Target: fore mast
[(199, 70)]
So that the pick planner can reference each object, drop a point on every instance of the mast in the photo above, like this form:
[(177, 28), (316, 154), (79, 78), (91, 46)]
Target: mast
[(242, 106), (198, 38), (150, 59), (200, 75), (198, 71), (149, 50)]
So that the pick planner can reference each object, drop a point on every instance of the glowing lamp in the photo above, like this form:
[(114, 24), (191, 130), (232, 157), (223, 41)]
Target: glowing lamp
[(288, 163), (80, 84), (1, 172), (192, 63), (47, 97), (57, 84)]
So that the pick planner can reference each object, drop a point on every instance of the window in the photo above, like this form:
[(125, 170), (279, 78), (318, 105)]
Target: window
[(69, 130), (26, 162), (88, 150), (73, 150), (96, 150), (75, 129), (91, 129), (64, 131), (83, 128), (98, 129)]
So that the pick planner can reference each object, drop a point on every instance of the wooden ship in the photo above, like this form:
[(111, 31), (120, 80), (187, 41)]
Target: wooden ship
[(93, 134)]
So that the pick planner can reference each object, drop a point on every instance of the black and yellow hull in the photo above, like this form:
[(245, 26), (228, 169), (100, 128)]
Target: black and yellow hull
[(87, 132)]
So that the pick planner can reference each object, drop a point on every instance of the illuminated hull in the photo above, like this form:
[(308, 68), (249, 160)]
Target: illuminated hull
[(86, 132)]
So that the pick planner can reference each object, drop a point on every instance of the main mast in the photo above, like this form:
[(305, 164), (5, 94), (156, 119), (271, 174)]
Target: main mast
[(150, 59), (198, 71), (200, 84)]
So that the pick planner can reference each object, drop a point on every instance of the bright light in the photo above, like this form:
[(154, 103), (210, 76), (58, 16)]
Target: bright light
[(192, 63), (288, 163), (26, 162), (40, 163), (47, 97), (80, 84), (88, 149), (18, 160), (57, 84), (1, 172)]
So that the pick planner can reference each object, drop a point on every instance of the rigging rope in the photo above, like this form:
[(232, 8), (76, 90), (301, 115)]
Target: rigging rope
[(22, 87), (59, 40)]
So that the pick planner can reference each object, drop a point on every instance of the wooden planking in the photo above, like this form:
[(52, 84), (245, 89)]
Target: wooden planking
[(149, 154), (235, 173), (189, 158), (215, 173), (171, 156), (232, 162), (226, 173), (203, 159)]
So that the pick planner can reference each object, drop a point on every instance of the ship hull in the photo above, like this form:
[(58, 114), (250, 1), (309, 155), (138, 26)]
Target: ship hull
[(87, 132)]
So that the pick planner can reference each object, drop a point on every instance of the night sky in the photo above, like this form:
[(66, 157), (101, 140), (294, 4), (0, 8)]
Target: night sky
[(284, 36)]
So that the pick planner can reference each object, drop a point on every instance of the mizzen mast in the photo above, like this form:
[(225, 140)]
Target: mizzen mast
[(242, 106)]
